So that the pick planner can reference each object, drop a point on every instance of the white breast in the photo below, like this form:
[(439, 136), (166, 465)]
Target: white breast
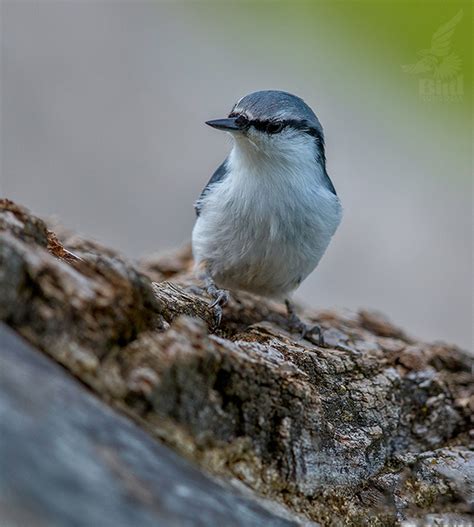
[(265, 227)]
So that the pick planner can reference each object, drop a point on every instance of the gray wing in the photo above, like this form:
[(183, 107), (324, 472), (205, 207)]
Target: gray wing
[(321, 156), (218, 175), (328, 183)]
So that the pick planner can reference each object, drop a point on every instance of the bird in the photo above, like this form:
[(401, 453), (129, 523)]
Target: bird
[(439, 61), (269, 211)]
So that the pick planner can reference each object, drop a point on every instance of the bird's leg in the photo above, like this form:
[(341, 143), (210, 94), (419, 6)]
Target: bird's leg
[(220, 297), (312, 333)]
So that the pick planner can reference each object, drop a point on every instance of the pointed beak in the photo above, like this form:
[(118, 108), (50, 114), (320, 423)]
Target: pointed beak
[(228, 125)]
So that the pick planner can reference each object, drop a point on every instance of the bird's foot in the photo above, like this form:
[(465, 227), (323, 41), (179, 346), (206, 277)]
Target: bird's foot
[(220, 298), (312, 333)]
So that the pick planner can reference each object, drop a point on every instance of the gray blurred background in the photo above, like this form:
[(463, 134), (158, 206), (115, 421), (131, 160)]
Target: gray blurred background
[(103, 105)]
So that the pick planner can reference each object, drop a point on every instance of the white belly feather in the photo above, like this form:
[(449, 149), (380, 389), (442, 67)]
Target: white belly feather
[(265, 234)]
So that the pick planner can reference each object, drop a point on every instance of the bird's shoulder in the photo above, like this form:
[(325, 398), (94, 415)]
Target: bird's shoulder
[(218, 175)]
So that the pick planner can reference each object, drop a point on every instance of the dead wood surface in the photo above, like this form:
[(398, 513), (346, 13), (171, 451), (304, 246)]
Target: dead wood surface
[(374, 428)]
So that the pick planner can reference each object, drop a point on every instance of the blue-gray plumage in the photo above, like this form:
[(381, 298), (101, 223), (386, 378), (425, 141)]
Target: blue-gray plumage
[(219, 174), (268, 213)]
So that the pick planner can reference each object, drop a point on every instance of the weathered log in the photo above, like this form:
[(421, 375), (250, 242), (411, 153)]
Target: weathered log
[(372, 428), (68, 460)]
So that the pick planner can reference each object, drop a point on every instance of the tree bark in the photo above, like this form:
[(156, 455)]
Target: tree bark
[(373, 428)]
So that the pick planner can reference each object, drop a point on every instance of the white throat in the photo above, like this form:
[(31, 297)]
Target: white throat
[(290, 164)]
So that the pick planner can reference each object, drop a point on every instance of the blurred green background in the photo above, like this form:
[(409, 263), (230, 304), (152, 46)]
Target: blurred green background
[(103, 105)]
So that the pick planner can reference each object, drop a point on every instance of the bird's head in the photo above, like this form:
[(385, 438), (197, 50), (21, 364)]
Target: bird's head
[(273, 124)]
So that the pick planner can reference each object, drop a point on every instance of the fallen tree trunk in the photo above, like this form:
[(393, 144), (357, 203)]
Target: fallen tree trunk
[(372, 428)]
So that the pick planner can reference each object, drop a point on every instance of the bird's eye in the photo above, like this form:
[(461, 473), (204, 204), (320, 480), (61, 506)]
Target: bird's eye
[(274, 127), (242, 121)]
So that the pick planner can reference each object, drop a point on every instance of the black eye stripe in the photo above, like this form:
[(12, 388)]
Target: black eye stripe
[(273, 127), (261, 125)]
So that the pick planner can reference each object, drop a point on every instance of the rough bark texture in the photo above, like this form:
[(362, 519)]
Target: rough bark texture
[(373, 428), (69, 460)]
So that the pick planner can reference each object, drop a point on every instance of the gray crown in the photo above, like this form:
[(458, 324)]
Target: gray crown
[(274, 104)]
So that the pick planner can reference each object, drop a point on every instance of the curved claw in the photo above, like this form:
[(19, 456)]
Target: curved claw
[(221, 298), (314, 334), (217, 315)]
